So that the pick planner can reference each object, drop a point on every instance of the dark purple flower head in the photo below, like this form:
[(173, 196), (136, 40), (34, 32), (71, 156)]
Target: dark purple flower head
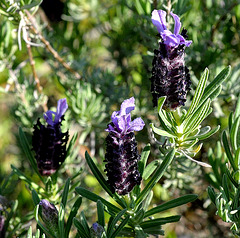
[(170, 76), (49, 215), (49, 142), (171, 39), (121, 120), (121, 153)]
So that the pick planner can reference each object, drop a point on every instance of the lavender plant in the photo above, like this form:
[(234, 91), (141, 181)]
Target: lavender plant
[(226, 199), (59, 193), (124, 178), (170, 83), (170, 76)]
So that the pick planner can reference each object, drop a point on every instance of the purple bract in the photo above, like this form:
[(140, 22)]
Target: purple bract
[(61, 109), (121, 120), (169, 38)]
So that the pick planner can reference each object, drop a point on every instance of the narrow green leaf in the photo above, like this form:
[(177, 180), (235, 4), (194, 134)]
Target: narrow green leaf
[(159, 221), (28, 152), (31, 5), (197, 117), (212, 194), (236, 199), (231, 178), (155, 178), (171, 204), (61, 221), (237, 109), (161, 132), (199, 91), (72, 214), (230, 121), (164, 121), (23, 177), (156, 230), (71, 144), (84, 223), (98, 174), (225, 187), (144, 157), (228, 151), (139, 7), (80, 228), (35, 198), (120, 227), (150, 169), (234, 133), (215, 93), (112, 209), (237, 157), (147, 201), (65, 193), (206, 135), (29, 234), (100, 211), (215, 84), (111, 226)]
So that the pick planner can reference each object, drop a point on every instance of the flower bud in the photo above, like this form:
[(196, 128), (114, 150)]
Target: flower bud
[(49, 215), (96, 230), (121, 150), (49, 142)]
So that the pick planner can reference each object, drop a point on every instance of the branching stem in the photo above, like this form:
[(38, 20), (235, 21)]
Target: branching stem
[(55, 54)]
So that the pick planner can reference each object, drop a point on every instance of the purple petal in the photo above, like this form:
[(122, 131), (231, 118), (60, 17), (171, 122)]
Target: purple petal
[(48, 117), (127, 106), (110, 128), (188, 43), (122, 124), (137, 124), (159, 20), (170, 39), (61, 109), (182, 41), (178, 24)]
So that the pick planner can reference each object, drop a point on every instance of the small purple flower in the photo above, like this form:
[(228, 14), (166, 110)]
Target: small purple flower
[(49, 142), (170, 76), (121, 152), (49, 215)]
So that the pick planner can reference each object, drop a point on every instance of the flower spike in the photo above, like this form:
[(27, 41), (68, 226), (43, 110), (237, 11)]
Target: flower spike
[(121, 153), (49, 142), (170, 76)]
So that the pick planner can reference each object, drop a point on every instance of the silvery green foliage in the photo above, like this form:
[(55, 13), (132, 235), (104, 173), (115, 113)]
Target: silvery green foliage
[(37, 234), (182, 129), (227, 198), (88, 107)]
